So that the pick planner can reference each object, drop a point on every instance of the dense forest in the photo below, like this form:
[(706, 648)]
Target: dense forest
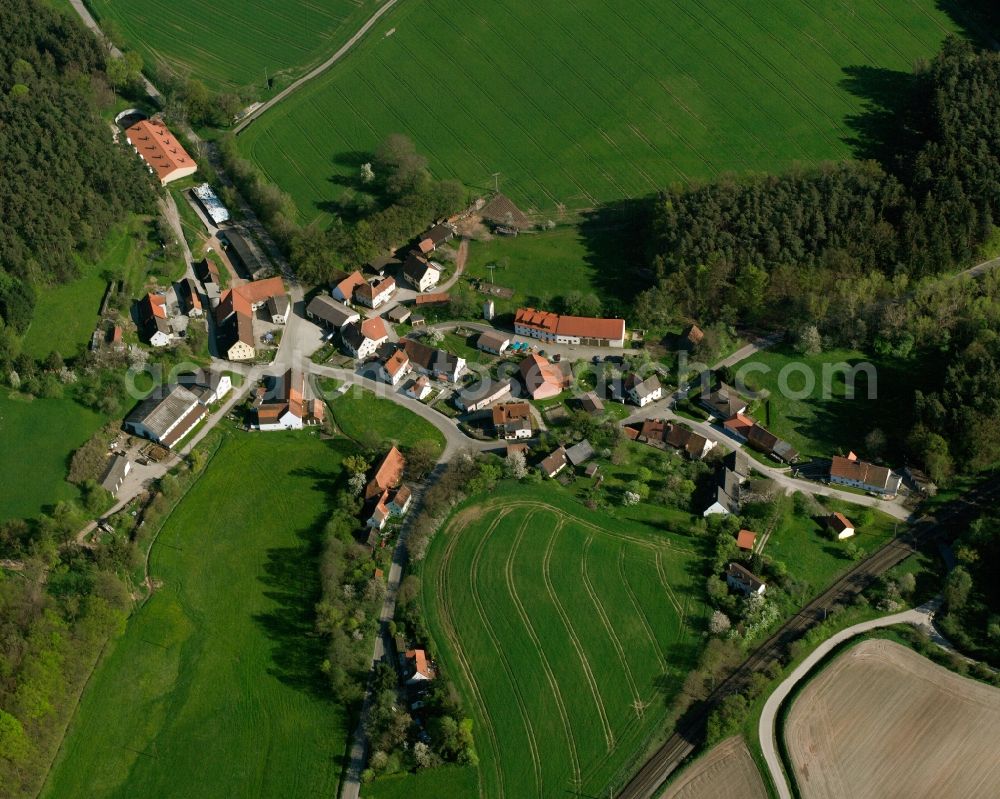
[(861, 253), (63, 180), (63, 184), (775, 248)]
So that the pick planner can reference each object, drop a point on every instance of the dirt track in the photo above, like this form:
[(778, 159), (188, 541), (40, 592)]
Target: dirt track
[(726, 771), (883, 721)]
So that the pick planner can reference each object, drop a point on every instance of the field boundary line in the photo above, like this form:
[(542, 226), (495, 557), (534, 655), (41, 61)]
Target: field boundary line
[(441, 592), (669, 591), (605, 621), (609, 734), (318, 70), (547, 668), (501, 656)]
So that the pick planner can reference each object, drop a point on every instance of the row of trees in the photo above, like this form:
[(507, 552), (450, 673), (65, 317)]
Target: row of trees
[(64, 180), (396, 199)]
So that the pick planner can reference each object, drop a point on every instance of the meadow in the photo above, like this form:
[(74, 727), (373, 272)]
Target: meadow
[(214, 688), (821, 426), (65, 315), (578, 103), (36, 438), (568, 635), (373, 421), (233, 44)]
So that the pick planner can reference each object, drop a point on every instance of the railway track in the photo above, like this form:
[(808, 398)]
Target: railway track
[(691, 732)]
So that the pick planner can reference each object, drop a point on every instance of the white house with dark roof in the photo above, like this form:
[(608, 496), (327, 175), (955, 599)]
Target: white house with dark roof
[(644, 392), (166, 416), (328, 312)]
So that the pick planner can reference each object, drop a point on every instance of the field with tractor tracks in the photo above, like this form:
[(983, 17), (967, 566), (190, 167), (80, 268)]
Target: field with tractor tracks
[(568, 634)]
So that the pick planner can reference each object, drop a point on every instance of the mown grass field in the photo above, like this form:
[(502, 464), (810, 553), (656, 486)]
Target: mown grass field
[(65, 315), (229, 44), (568, 635), (816, 414), (576, 103), (214, 689), (440, 783), (36, 438), (373, 421)]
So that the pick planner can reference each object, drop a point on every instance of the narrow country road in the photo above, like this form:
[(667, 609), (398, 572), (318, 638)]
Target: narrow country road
[(919, 617), (90, 22), (313, 72)]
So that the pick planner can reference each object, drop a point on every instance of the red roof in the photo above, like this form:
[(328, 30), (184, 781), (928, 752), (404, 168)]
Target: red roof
[(349, 283), (839, 522), (156, 305), (159, 148), (745, 539), (374, 328), (433, 299), (574, 326), (388, 474), (590, 327), (398, 360), (542, 320), (739, 424), (420, 665)]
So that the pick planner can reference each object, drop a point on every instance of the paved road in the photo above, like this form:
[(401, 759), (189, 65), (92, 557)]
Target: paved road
[(780, 475), (455, 440), (314, 72), (920, 617)]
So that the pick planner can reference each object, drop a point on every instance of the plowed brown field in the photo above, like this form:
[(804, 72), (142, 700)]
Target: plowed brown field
[(883, 721)]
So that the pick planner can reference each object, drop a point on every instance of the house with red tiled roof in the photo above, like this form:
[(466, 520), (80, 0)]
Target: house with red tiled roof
[(418, 666), (542, 379), (738, 426), (745, 540), (395, 367), (282, 404), (159, 148), (842, 526), (235, 313), (852, 471), (384, 495), (388, 474), (362, 339), (152, 313), (375, 293), (561, 329), (344, 290)]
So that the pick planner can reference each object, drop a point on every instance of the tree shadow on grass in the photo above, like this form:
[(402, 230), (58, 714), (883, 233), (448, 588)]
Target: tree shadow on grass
[(886, 129), (616, 251), (292, 582)]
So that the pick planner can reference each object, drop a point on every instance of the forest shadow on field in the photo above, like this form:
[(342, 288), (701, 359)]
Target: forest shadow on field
[(614, 238), (884, 130), (979, 20), (292, 582)]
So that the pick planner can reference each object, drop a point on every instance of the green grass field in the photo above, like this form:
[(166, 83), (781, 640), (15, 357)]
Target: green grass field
[(801, 543), (37, 437), (65, 315), (370, 420), (576, 103), (214, 689), (827, 422), (230, 44), (568, 635), (449, 782)]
